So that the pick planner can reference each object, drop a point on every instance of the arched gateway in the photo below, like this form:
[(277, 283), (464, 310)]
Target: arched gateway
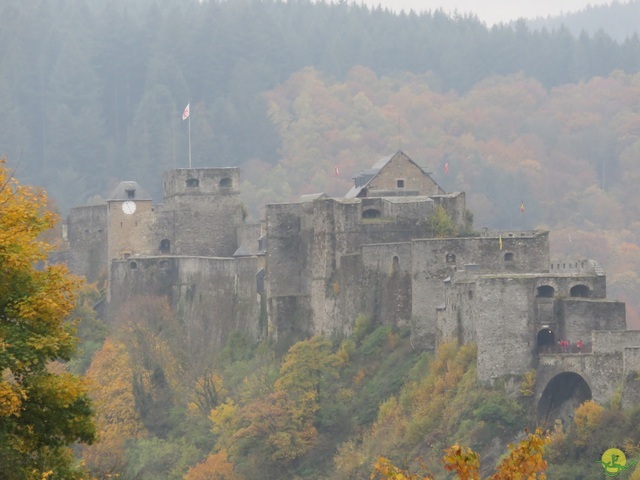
[(562, 395)]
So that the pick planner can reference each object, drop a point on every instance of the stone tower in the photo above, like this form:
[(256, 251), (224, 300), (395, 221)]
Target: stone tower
[(129, 211), (205, 210)]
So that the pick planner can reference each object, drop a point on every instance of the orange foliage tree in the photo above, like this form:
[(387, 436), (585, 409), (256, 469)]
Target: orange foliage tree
[(215, 467), (42, 412), (524, 462)]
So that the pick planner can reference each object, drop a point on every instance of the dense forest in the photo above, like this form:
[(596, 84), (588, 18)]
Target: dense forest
[(92, 93), (617, 19)]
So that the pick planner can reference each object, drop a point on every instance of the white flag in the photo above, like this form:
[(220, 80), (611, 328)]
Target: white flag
[(185, 114)]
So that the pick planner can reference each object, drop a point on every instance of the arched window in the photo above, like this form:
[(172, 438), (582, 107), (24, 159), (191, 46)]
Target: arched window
[(225, 182), (165, 246), (450, 258), (545, 291), (508, 257), (133, 265), (371, 213), (581, 291), (395, 265), (193, 182)]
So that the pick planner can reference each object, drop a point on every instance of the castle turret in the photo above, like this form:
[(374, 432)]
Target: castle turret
[(129, 210), (205, 207)]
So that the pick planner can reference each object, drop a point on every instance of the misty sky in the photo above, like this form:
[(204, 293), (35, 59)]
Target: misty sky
[(491, 11)]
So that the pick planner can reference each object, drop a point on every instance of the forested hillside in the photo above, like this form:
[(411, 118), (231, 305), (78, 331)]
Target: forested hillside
[(617, 19), (92, 93)]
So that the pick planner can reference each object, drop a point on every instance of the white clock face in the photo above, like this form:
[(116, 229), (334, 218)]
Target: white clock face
[(129, 207)]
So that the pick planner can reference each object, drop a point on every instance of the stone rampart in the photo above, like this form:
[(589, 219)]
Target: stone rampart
[(582, 316), (213, 296), (603, 372), (631, 387), (505, 327), (608, 341), (87, 236)]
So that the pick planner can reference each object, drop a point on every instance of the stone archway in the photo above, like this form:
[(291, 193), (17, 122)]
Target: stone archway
[(562, 395), (546, 340)]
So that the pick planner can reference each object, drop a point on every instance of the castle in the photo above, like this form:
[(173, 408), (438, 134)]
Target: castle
[(314, 266)]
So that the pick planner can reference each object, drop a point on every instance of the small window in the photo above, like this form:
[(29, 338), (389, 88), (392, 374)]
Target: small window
[(395, 264), (133, 265), (371, 213), (470, 294), (400, 183), (508, 257), (163, 265), (225, 182), (131, 193), (193, 182), (450, 258), (165, 246)]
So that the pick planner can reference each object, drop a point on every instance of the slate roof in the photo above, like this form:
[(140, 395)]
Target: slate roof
[(120, 192)]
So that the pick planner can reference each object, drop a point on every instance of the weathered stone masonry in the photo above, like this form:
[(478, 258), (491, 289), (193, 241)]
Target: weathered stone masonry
[(316, 265)]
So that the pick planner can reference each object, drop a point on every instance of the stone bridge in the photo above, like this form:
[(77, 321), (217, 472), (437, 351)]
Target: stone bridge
[(564, 381)]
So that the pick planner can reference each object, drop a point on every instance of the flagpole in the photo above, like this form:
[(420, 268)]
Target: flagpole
[(189, 140)]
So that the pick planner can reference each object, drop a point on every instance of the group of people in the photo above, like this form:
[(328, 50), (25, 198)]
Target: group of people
[(565, 346)]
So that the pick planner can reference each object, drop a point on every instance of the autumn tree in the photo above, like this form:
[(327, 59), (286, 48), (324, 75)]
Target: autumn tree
[(215, 467), (440, 223), (111, 387), (41, 412), (524, 462)]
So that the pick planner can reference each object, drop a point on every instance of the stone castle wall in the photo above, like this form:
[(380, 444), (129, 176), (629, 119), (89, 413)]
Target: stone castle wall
[(206, 210), (128, 234), (87, 237), (213, 296), (323, 262), (608, 341), (505, 327), (434, 260), (582, 316)]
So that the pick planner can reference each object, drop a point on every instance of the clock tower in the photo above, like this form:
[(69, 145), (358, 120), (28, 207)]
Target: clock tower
[(129, 210)]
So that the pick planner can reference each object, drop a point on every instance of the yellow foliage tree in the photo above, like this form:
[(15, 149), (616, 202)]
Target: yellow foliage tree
[(524, 462), (41, 412), (587, 419), (117, 420)]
